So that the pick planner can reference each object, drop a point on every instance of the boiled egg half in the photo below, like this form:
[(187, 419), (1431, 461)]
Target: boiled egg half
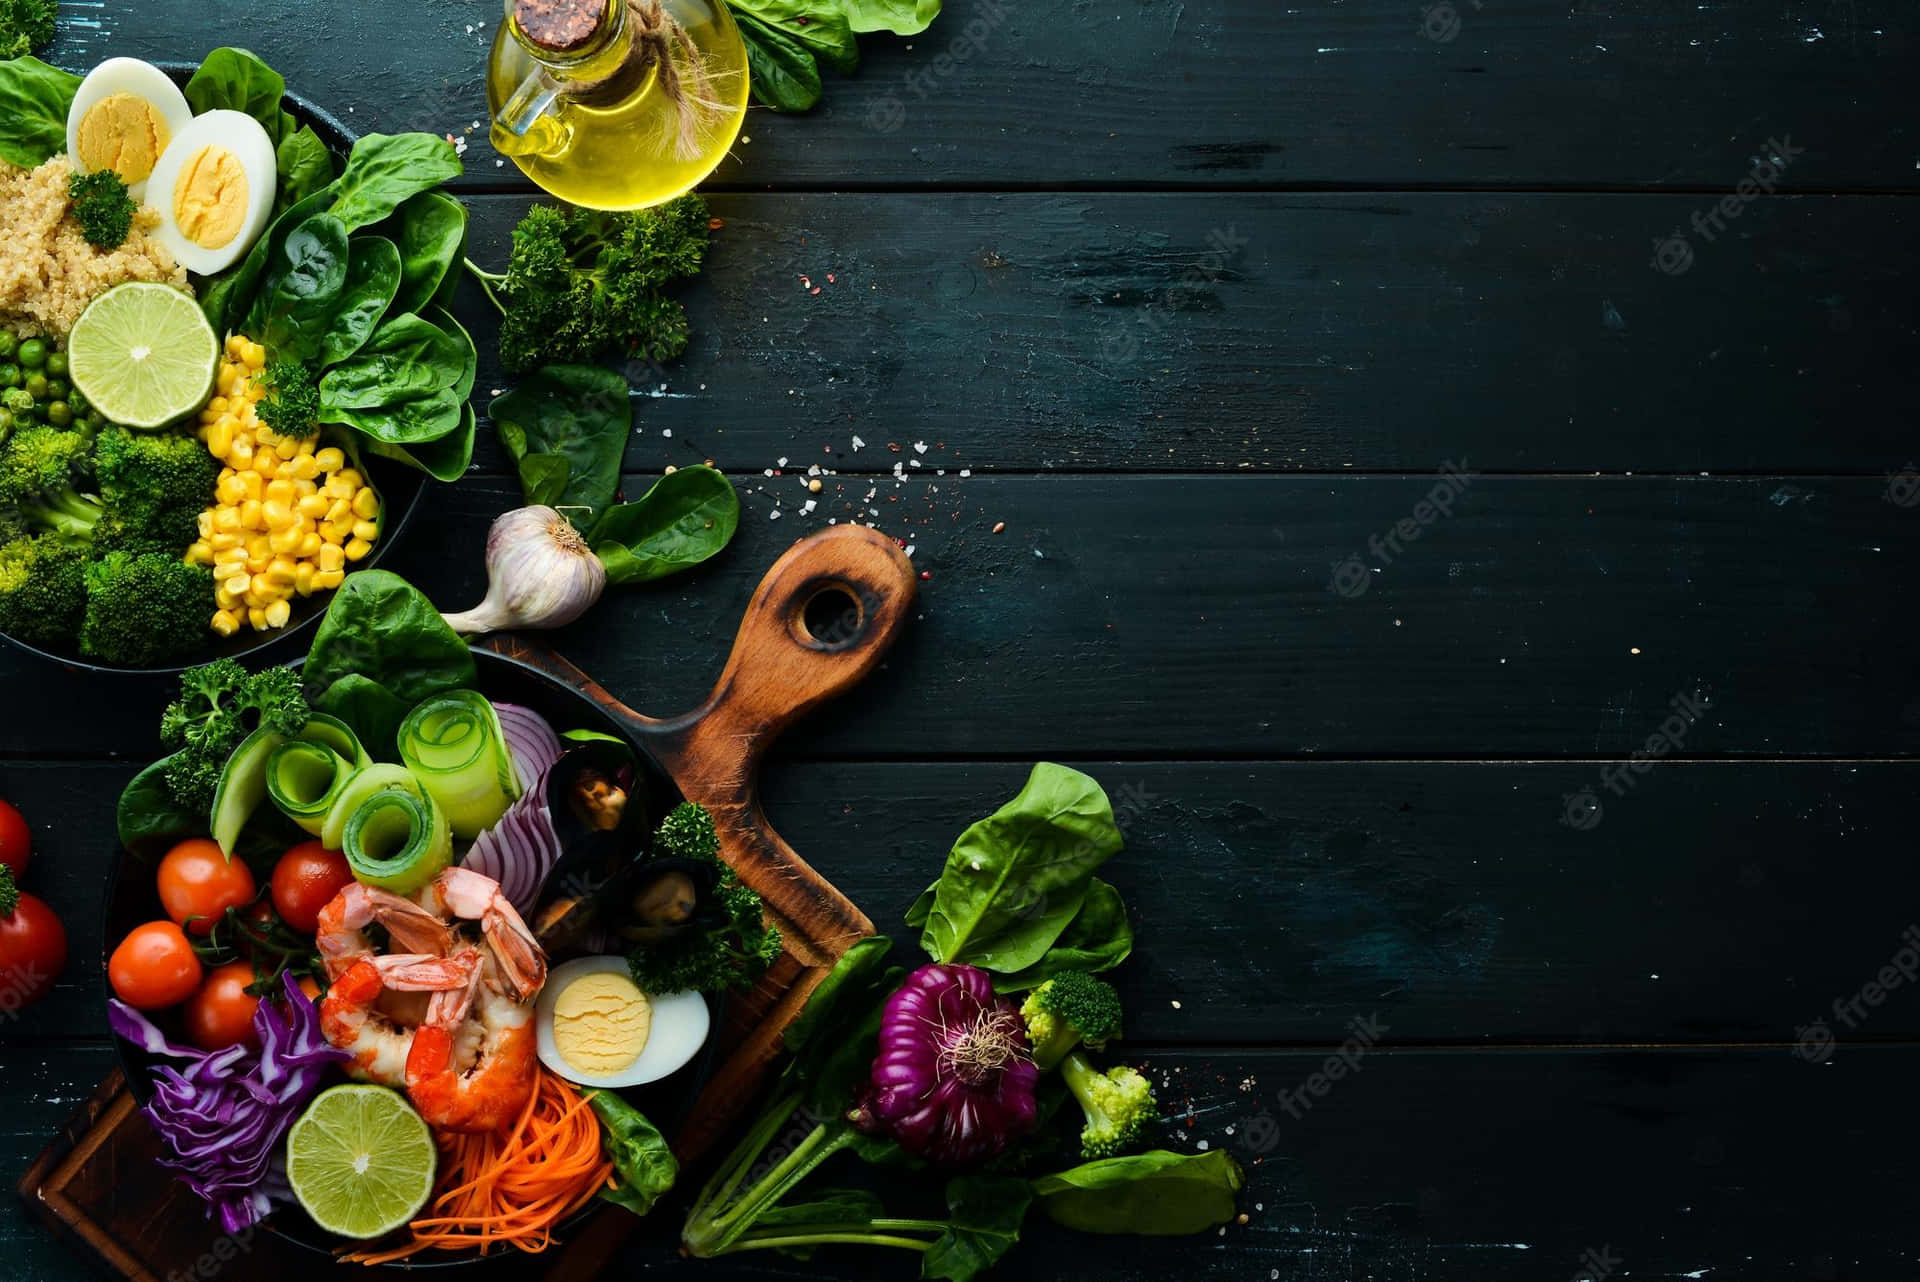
[(123, 116), (213, 188), (595, 1027)]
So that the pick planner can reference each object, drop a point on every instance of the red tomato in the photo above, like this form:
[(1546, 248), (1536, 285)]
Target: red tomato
[(153, 967), (220, 1012), (33, 950), (305, 880), (198, 884), (16, 840)]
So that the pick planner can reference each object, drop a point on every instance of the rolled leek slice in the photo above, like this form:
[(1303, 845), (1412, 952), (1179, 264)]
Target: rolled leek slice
[(397, 841), (453, 745), (304, 778), (363, 784)]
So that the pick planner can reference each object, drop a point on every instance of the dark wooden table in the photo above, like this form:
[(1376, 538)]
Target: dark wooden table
[(1206, 301)]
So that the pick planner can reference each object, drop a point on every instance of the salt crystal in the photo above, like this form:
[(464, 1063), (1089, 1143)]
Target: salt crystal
[(767, 472), (1203, 1148), (1176, 1005), (774, 515), (919, 447), (806, 509), (914, 461), (812, 469), (666, 431), (857, 443), (781, 461), (909, 549), (965, 472)]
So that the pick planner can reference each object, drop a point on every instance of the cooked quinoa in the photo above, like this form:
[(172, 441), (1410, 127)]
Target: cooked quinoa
[(48, 271)]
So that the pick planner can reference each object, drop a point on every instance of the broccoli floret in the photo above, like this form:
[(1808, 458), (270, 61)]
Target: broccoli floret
[(42, 589), (40, 462), (737, 944), (292, 404), (25, 26), (144, 608), (1068, 1010), (582, 282), (154, 486), (102, 207), (219, 703), (1117, 1103)]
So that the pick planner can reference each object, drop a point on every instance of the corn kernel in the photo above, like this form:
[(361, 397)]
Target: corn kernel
[(366, 531), (230, 491), (303, 578), (280, 490), (285, 540), (303, 468), (278, 613), (198, 553), (206, 523), (337, 488), (251, 515), (276, 515), (234, 575), (302, 488), (225, 623), (286, 447), (313, 505), (220, 541), (339, 510), (231, 554), (257, 545), (228, 376), (331, 557), (266, 462), (260, 586), (219, 438), (366, 505), (331, 459), (328, 579), (226, 519), (265, 435), (236, 345), (357, 549), (256, 357), (253, 484), (336, 531), (351, 477), (280, 573), (257, 617), (218, 405), (223, 599), (309, 545)]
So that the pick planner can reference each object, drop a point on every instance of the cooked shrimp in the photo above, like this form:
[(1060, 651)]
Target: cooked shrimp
[(341, 936), (348, 1019), (461, 892), (472, 1066)]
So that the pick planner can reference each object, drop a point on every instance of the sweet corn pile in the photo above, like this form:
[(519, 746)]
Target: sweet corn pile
[(287, 517)]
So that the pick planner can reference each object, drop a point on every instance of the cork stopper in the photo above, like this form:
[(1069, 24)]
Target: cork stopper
[(560, 26)]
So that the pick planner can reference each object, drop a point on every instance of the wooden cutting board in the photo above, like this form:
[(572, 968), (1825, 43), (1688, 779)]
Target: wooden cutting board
[(820, 620)]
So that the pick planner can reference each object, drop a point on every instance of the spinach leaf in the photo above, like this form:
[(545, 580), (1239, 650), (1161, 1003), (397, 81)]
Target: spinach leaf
[(230, 296), (294, 308), (305, 166), (642, 1162), (445, 459), (1156, 1193), (373, 711), (783, 73), (414, 420), (463, 388), (566, 427), (431, 231), (986, 1211), (148, 818), (384, 170), (383, 628), (820, 28), (373, 274), (851, 978), (406, 358), (1098, 938), (902, 17), (34, 102), (1014, 880), (237, 80), (826, 1210), (685, 518)]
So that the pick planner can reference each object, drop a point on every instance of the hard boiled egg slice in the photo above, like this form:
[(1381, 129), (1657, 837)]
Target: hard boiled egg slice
[(213, 188), (594, 1027), (123, 116)]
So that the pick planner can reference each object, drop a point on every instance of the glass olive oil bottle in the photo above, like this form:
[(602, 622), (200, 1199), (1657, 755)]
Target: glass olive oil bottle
[(616, 104)]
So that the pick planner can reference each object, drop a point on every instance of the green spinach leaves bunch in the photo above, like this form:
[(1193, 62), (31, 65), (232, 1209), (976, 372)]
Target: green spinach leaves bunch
[(788, 39)]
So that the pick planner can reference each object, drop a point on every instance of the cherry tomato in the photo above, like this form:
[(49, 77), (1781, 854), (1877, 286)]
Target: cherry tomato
[(305, 880), (220, 1012), (16, 841), (198, 884), (154, 967), (33, 950)]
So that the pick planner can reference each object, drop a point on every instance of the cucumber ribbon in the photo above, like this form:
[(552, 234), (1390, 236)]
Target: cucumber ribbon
[(453, 745)]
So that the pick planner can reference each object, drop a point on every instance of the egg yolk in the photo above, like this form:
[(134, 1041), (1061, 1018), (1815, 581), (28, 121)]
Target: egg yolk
[(124, 133), (210, 199), (601, 1022)]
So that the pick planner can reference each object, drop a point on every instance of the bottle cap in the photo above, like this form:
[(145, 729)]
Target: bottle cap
[(559, 26)]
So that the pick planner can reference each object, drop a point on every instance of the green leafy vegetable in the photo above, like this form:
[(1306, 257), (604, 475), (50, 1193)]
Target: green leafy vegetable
[(901, 17), (782, 72), (581, 283), (445, 459), (1154, 1193), (1098, 938), (986, 1213), (34, 102), (102, 207), (380, 627), (301, 289), (219, 704), (566, 427), (25, 25), (305, 167), (238, 80), (1016, 879), (371, 711), (407, 359), (431, 232), (688, 516), (385, 170), (784, 37), (149, 817), (373, 277), (643, 1163), (229, 296)]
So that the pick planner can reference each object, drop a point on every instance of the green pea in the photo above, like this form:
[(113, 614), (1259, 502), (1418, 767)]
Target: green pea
[(36, 386), (78, 402), (59, 413), (33, 353), (6, 420), (8, 344), (56, 364), (95, 420), (9, 375)]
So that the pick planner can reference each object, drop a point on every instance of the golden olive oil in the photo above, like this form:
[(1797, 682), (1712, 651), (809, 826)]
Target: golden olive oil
[(592, 116)]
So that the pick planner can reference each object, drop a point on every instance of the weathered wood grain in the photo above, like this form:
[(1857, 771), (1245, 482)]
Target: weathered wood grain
[(1208, 617), (1196, 93), (1713, 902)]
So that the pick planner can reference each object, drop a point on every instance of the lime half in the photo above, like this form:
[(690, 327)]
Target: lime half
[(360, 1160), (143, 354)]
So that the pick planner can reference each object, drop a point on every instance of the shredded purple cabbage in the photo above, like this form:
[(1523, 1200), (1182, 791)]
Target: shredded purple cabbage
[(223, 1113)]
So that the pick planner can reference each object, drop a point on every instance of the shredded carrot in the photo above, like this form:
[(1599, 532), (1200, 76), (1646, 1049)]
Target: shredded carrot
[(510, 1188)]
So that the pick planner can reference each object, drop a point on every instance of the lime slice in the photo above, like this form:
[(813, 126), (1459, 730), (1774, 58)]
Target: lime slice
[(143, 355), (360, 1160)]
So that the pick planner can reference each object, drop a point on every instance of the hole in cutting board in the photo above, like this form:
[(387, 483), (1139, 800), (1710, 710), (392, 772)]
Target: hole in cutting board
[(832, 616)]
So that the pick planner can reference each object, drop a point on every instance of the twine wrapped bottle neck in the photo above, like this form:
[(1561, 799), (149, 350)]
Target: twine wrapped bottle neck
[(590, 44)]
